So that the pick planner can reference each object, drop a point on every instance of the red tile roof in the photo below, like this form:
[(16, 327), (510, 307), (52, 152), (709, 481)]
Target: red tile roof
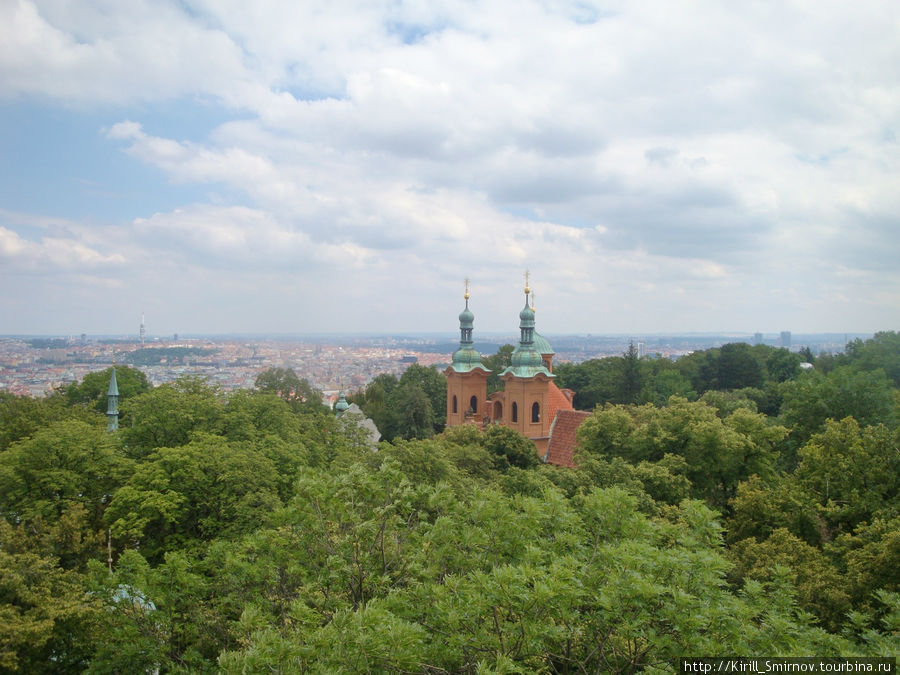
[(556, 400), (562, 436)]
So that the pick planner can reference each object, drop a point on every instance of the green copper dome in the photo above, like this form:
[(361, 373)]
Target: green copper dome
[(341, 405), (466, 359), (542, 345), (526, 360), (527, 315)]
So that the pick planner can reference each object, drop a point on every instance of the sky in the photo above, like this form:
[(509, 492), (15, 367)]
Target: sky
[(273, 166)]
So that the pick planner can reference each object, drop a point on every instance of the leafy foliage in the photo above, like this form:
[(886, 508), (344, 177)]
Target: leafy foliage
[(412, 406), (246, 533)]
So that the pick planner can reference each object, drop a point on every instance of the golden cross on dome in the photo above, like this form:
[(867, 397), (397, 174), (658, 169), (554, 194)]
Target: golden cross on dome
[(527, 288), (466, 296)]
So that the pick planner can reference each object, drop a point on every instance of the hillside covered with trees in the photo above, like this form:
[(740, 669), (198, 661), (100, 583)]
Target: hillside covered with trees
[(729, 503)]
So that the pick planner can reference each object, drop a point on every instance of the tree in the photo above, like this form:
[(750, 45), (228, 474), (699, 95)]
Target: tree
[(412, 412), (497, 363), (852, 471), (719, 452), (168, 414), (510, 448), (47, 621), (819, 585), (882, 352), (433, 385), (68, 462), (91, 391), (760, 507), (783, 365), (375, 402), (872, 555), (813, 398), (198, 491), (595, 382), (662, 381), (299, 393), (632, 377), (737, 367), (21, 416)]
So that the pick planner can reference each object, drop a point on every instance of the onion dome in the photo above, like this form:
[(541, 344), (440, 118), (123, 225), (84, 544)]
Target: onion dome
[(526, 360), (541, 345), (466, 358), (341, 406)]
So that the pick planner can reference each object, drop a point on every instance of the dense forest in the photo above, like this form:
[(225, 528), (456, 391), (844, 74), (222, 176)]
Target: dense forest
[(734, 502)]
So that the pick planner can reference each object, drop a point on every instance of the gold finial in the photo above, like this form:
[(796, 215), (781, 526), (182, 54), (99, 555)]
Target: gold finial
[(527, 288), (532, 301), (466, 296)]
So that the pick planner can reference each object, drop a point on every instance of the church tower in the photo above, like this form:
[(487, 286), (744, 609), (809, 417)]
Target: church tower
[(466, 376), (528, 386), (112, 403)]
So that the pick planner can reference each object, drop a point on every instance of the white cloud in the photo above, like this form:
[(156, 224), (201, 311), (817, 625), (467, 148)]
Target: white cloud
[(681, 165), (51, 255)]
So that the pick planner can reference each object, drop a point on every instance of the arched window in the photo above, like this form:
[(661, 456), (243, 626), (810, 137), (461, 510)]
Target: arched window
[(515, 412), (498, 411), (455, 410), (473, 404), (536, 412)]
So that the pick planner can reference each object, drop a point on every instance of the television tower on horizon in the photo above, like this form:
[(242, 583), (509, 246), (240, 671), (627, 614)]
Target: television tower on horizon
[(143, 329)]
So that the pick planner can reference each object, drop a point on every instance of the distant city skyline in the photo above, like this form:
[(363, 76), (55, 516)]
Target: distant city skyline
[(287, 169), (40, 365)]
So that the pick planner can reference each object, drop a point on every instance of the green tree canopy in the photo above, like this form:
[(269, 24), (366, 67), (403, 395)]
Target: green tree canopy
[(719, 452), (68, 462), (497, 363), (91, 391), (166, 415), (813, 398), (283, 382)]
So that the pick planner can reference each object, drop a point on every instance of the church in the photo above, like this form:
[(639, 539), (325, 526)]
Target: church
[(530, 401)]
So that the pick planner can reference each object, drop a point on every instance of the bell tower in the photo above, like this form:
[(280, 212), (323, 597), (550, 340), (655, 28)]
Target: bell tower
[(466, 376), (528, 383)]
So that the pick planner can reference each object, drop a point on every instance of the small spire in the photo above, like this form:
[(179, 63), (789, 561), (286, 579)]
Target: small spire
[(112, 403), (466, 295), (532, 301), (527, 287)]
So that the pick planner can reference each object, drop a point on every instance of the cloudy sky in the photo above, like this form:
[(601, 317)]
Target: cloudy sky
[(281, 166)]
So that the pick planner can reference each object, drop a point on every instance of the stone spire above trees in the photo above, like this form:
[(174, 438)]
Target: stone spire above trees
[(112, 403)]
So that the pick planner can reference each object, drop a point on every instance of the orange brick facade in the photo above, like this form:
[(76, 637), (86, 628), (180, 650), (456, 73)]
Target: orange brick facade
[(466, 397), (530, 400)]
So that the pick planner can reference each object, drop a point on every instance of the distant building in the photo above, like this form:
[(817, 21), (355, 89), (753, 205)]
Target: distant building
[(785, 339), (530, 401), (757, 338), (352, 417)]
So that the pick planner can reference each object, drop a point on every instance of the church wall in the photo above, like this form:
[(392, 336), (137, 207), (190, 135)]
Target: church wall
[(464, 386), (526, 392)]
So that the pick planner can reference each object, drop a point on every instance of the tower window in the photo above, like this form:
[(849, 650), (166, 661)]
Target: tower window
[(515, 412), (454, 404), (536, 412), (473, 404)]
